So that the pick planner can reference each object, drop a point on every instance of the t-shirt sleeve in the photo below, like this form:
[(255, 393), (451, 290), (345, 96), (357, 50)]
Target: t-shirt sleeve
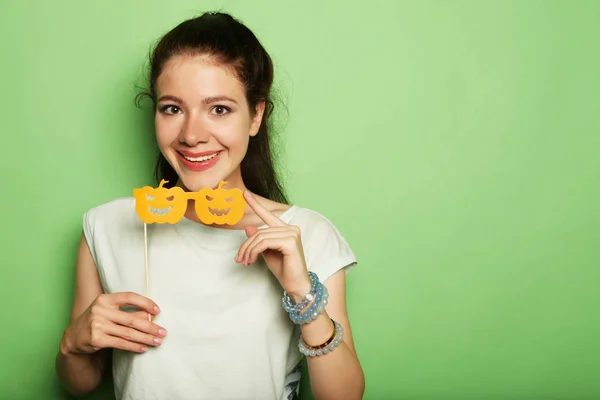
[(88, 232), (325, 249)]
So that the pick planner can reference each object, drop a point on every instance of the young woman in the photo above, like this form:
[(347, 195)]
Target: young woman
[(235, 309)]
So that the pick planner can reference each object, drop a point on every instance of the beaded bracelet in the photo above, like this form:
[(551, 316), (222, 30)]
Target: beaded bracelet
[(318, 293), (334, 341), (288, 303)]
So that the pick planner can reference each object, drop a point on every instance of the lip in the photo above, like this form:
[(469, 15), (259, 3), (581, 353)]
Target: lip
[(196, 165)]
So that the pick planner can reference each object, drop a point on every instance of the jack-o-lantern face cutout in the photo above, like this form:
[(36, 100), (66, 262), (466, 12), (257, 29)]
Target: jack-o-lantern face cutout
[(220, 206), (160, 205)]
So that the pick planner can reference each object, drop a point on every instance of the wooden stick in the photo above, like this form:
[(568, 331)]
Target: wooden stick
[(146, 261)]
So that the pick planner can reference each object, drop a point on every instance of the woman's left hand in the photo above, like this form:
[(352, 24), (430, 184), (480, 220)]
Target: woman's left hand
[(281, 247)]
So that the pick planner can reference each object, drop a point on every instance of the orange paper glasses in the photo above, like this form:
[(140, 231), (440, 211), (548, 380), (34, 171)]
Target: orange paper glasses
[(163, 205)]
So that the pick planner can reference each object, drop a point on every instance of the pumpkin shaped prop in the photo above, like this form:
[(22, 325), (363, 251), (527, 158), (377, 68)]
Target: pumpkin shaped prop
[(168, 205), (220, 206), (160, 205)]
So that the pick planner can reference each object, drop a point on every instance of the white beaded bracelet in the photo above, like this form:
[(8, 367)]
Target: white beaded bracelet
[(334, 341)]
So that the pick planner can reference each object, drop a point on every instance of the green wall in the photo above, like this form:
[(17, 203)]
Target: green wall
[(454, 143)]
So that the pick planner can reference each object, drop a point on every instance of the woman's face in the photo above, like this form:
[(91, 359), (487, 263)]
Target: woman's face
[(203, 122)]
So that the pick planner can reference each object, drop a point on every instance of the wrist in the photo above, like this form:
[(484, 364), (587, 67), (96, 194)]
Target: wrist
[(310, 306), (66, 347), (301, 290)]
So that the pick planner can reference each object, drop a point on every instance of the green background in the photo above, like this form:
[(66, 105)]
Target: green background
[(454, 143)]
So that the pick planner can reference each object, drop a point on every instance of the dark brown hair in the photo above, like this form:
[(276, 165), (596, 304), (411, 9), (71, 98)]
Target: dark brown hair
[(227, 41)]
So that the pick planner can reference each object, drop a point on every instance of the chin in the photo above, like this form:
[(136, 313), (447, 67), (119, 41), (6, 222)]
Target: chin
[(194, 181), (194, 184)]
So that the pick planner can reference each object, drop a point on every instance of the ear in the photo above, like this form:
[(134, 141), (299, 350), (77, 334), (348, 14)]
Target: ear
[(257, 119)]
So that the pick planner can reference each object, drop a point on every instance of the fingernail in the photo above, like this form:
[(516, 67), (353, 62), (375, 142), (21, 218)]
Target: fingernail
[(157, 309), (144, 349), (247, 194), (157, 340), (162, 332)]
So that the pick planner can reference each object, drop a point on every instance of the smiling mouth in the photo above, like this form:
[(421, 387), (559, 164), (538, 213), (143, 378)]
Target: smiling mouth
[(218, 212), (200, 159), (160, 211)]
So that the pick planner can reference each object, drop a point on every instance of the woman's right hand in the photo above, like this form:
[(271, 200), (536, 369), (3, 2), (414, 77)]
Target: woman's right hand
[(104, 325)]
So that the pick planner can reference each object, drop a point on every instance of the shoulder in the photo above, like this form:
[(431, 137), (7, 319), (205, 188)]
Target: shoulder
[(110, 213), (310, 221), (103, 224), (112, 208), (325, 247)]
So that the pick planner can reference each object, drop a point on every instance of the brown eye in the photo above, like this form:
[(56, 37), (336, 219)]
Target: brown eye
[(170, 109), (220, 111)]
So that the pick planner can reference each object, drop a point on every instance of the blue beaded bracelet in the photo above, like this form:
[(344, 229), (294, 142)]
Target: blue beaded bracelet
[(315, 309), (288, 303), (318, 293)]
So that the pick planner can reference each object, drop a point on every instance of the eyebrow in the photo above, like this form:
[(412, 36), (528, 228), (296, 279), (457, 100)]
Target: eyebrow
[(207, 100), (216, 99), (172, 98)]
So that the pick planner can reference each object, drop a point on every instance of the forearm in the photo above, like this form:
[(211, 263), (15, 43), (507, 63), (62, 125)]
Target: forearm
[(79, 374), (337, 374)]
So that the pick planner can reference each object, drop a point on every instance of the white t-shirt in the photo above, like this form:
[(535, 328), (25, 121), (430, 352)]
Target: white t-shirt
[(228, 334)]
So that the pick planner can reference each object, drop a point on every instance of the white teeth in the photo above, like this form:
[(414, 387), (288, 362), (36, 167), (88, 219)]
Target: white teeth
[(199, 159)]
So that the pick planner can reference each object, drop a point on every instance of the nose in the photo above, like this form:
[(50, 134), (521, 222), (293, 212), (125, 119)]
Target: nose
[(194, 131)]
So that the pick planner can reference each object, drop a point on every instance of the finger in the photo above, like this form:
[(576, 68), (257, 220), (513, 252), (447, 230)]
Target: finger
[(257, 239), (261, 211), (273, 243), (132, 335), (250, 231), (134, 321), (134, 299), (253, 233), (122, 344), (140, 314)]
